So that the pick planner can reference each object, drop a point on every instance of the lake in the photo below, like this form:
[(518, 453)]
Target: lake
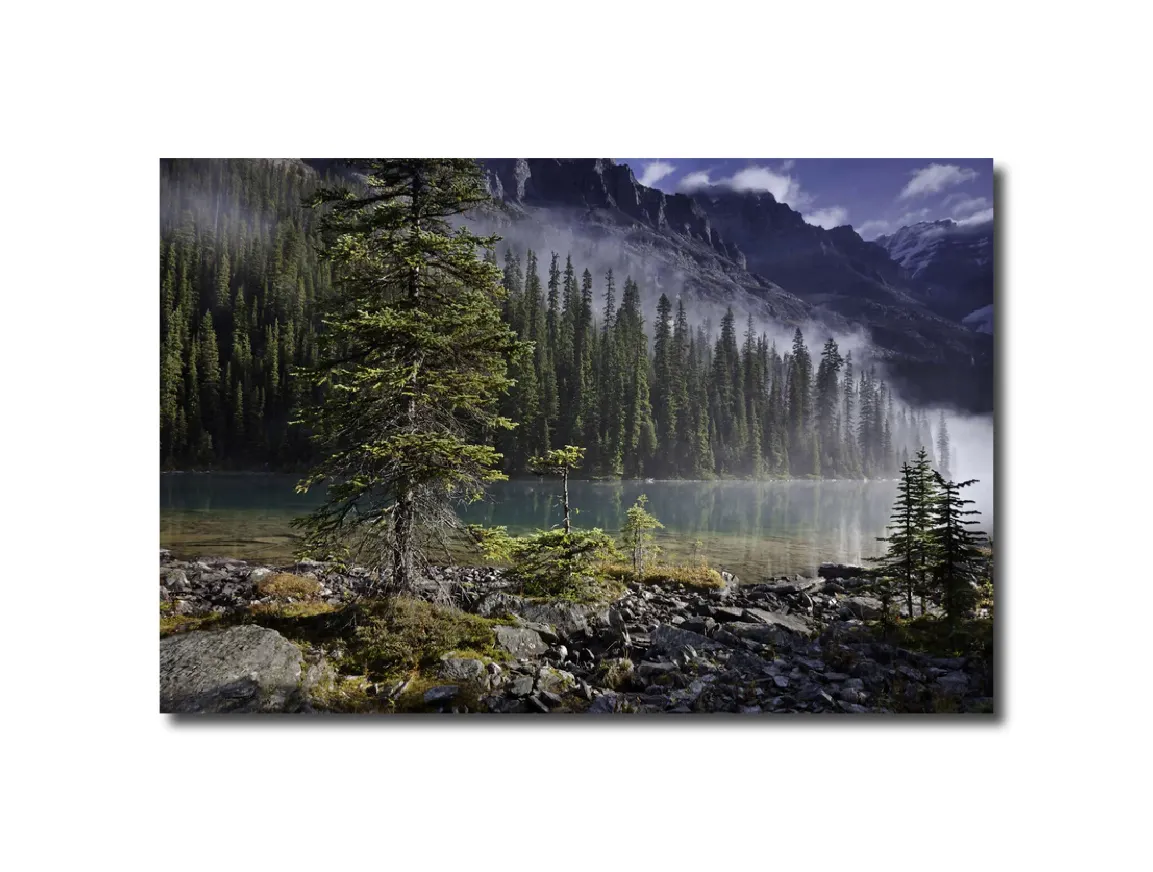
[(754, 529)]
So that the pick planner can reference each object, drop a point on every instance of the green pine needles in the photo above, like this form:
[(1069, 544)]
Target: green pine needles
[(411, 366), (932, 554), (637, 534)]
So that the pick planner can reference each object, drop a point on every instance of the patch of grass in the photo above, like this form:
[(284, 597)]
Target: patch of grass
[(292, 610), (497, 655), (285, 585), (171, 624), (349, 695), (411, 699), (616, 674), (690, 575), (591, 589), (933, 636), (398, 638)]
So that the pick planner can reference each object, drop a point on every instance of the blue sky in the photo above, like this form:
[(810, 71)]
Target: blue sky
[(875, 196)]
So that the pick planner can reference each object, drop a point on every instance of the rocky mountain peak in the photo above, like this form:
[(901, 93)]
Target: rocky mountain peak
[(601, 183)]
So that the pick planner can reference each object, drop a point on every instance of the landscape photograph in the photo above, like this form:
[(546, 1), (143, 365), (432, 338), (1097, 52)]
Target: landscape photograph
[(561, 510), (577, 436)]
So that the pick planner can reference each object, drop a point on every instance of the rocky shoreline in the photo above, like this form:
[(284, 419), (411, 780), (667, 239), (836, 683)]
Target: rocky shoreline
[(792, 645)]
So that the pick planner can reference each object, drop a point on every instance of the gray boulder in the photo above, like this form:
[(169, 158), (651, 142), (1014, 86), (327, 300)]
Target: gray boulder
[(259, 574), (792, 623), (496, 604), (728, 613), (520, 641), (567, 618), (785, 588), (242, 669), (606, 703), (175, 580), (546, 631), (699, 624), (866, 608), (521, 684), (442, 693), (766, 634), (555, 680), (673, 639), (464, 669)]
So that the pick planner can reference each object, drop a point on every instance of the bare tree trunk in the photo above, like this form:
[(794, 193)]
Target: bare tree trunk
[(567, 525), (402, 543)]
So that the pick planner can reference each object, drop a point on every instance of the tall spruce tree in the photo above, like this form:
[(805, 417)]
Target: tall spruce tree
[(414, 360), (905, 565), (828, 407), (663, 398), (959, 559)]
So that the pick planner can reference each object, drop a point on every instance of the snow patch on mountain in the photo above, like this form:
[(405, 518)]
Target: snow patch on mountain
[(917, 246)]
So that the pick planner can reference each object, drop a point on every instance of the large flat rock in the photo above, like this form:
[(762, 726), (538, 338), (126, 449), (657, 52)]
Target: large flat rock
[(520, 641), (242, 669), (792, 623)]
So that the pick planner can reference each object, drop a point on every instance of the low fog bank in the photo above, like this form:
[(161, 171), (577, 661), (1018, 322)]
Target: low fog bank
[(971, 457), (599, 249)]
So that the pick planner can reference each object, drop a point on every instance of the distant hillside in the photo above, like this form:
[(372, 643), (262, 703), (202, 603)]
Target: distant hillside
[(758, 255)]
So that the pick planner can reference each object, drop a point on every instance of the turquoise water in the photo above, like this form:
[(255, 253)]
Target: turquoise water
[(755, 529)]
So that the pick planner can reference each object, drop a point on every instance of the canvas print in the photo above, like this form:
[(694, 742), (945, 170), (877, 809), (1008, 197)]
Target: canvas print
[(577, 437)]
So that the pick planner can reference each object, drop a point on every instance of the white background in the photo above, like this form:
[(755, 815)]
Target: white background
[(1057, 94)]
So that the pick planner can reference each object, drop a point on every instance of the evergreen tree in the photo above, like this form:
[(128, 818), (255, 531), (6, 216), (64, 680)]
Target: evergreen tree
[(727, 405), (663, 398), (682, 460), (800, 405), (957, 549), (828, 407), (585, 354), (637, 534), (904, 566), (611, 379), (751, 390), (414, 354), (638, 433)]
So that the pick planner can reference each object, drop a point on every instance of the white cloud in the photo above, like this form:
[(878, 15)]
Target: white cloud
[(913, 217), (978, 217), (830, 217), (933, 178), (784, 187), (654, 171), (693, 181), (968, 205), (873, 228)]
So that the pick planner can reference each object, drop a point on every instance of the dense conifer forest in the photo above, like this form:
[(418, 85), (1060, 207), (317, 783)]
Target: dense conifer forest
[(240, 284)]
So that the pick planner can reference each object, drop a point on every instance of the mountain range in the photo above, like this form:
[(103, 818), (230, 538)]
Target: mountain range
[(909, 291)]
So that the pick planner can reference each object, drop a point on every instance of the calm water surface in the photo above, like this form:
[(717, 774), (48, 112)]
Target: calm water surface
[(755, 529)]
